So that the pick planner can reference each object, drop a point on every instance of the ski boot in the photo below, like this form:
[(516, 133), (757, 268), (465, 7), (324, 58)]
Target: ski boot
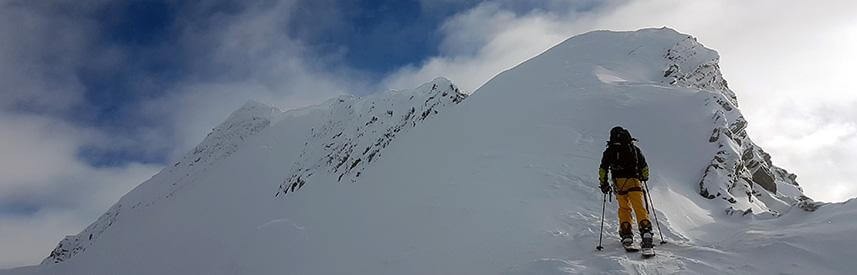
[(627, 237), (647, 247)]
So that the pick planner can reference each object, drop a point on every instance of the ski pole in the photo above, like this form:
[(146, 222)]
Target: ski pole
[(601, 234), (654, 212)]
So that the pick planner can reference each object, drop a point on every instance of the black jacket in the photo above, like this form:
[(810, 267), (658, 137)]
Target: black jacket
[(610, 162)]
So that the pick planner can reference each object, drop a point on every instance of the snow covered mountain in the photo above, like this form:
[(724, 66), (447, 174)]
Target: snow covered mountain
[(386, 115), (431, 181)]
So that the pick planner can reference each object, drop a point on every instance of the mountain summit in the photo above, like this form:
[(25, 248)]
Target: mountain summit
[(504, 181)]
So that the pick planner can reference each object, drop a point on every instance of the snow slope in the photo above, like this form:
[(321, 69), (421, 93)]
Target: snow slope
[(500, 182)]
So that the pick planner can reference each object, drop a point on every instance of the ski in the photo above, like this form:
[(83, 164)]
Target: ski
[(631, 248), (647, 252)]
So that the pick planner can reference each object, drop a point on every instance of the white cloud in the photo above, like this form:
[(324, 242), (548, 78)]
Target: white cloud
[(481, 43), (195, 108), (41, 170), (25, 238), (245, 56), (816, 137), (28, 57), (75, 196), (233, 58), (800, 51), (46, 190)]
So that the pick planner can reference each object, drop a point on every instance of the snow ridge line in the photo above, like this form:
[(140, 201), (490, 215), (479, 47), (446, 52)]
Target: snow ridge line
[(354, 136), (223, 141)]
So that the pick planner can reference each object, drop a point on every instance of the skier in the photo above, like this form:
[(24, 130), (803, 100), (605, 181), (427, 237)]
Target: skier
[(628, 167)]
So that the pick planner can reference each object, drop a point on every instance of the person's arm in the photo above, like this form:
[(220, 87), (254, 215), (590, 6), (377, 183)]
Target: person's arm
[(602, 171), (605, 166), (644, 170)]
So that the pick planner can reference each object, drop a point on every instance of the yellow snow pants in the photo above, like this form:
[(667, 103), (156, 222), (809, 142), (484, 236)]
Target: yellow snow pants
[(629, 193)]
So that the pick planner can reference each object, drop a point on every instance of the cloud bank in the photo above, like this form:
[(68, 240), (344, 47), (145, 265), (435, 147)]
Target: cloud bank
[(62, 168)]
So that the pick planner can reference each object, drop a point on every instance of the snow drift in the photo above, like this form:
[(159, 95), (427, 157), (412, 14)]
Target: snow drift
[(431, 181)]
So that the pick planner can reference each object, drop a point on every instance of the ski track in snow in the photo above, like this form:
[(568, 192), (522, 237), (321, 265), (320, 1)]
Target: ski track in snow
[(283, 220)]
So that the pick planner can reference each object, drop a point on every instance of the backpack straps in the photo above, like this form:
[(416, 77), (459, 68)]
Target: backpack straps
[(632, 189), (636, 159), (619, 190)]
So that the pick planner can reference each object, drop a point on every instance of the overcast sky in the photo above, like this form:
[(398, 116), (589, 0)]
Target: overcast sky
[(98, 96)]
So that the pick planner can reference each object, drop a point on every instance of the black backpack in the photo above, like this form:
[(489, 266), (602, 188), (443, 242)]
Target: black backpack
[(626, 152)]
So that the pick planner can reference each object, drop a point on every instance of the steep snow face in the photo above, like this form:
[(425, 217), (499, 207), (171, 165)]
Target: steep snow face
[(222, 142), (386, 115), (357, 131), (502, 182), (739, 173)]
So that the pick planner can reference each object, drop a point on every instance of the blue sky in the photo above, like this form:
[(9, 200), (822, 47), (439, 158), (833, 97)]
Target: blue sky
[(354, 35), (99, 95), (148, 36), (369, 38)]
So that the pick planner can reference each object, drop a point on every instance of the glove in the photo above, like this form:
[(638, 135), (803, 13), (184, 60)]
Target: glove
[(602, 176), (605, 188), (644, 176)]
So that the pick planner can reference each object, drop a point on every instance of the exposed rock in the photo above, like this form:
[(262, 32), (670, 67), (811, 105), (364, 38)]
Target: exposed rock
[(763, 178), (739, 164), (808, 205), (351, 149)]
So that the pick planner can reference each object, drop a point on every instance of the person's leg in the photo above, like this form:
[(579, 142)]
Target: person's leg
[(625, 218), (636, 199)]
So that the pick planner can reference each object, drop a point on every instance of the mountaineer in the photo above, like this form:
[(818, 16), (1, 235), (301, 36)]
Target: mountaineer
[(627, 167)]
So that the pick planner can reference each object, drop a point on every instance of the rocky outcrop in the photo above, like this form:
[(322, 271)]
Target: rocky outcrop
[(685, 70), (72, 245), (740, 172)]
